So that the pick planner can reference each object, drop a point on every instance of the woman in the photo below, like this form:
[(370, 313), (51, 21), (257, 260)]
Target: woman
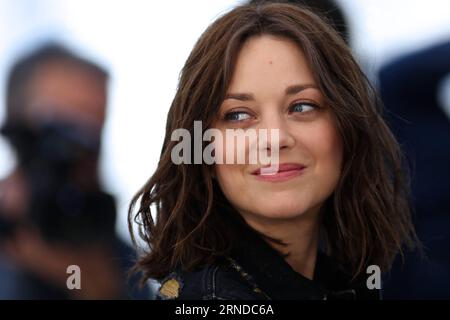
[(336, 201)]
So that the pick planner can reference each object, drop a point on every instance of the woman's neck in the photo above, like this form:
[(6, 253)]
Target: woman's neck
[(300, 234)]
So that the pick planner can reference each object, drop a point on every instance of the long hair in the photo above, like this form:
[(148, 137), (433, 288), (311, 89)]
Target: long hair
[(183, 214)]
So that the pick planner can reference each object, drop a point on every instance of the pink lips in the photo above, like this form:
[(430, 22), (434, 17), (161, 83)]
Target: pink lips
[(286, 171)]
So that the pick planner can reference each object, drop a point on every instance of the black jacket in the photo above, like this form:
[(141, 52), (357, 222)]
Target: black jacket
[(255, 271)]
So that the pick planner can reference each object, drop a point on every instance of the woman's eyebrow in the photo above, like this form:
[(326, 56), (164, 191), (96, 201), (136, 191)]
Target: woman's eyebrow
[(293, 89), (240, 96), (296, 88)]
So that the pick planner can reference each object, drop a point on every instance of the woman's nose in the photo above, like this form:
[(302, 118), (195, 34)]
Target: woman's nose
[(278, 132)]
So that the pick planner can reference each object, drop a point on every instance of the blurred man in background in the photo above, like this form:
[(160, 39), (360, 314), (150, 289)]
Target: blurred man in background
[(410, 87), (53, 213)]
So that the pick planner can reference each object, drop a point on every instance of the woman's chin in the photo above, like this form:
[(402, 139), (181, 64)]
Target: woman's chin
[(280, 211)]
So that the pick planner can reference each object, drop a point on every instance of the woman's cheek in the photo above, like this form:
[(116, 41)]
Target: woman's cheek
[(325, 144)]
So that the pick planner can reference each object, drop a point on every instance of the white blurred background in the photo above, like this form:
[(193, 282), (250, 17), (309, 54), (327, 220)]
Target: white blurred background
[(144, 45)]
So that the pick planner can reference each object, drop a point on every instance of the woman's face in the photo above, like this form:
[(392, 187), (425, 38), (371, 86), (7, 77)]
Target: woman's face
[(273, 88)]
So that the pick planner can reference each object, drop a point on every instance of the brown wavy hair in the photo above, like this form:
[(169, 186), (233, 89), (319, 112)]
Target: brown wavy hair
[(183, 215)]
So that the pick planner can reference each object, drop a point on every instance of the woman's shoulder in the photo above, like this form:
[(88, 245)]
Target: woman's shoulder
[(218, 281)]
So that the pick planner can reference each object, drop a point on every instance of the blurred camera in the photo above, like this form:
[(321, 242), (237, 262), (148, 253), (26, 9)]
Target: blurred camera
[(61, 209)]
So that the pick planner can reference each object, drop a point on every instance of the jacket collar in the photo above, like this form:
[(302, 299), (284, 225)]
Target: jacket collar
[(275, 277)]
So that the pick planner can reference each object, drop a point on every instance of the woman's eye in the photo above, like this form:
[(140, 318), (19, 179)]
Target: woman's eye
[(237, 116), (302, 107)]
